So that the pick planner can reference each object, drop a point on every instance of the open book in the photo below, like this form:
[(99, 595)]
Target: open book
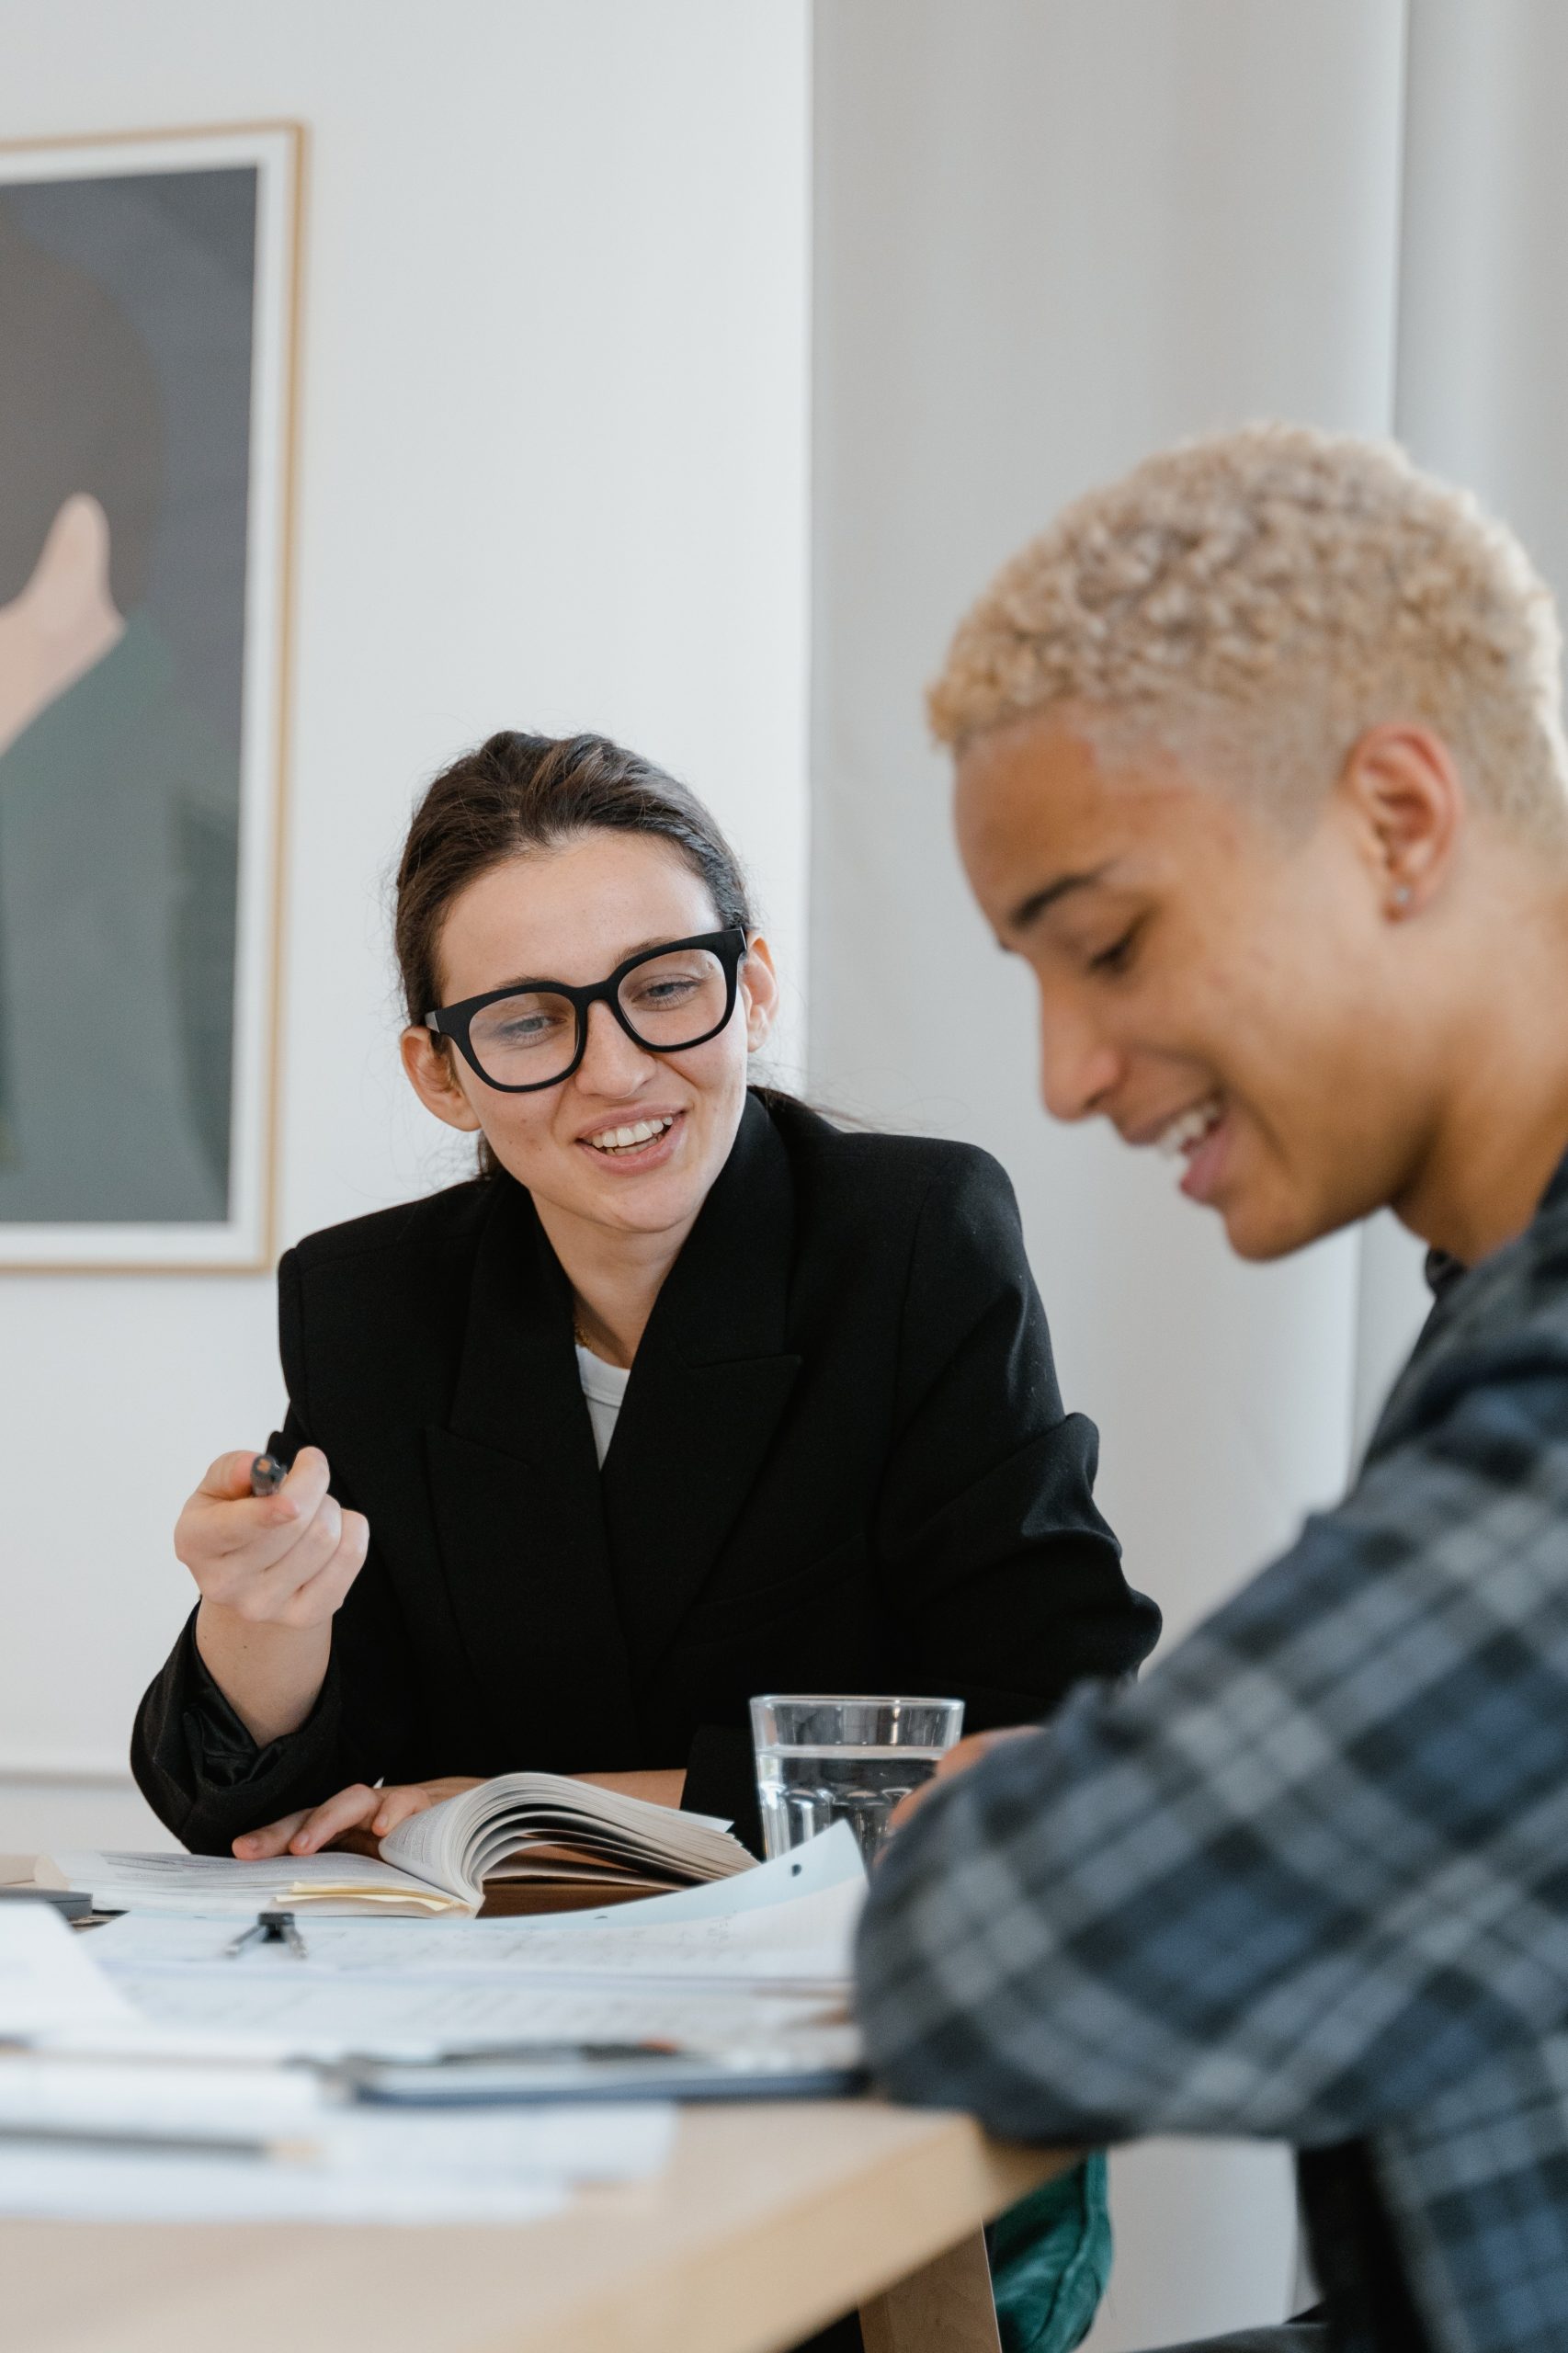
[(546, 1840)]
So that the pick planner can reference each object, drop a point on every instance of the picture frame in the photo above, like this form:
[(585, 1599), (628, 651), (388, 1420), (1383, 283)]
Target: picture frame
[(150, 289)]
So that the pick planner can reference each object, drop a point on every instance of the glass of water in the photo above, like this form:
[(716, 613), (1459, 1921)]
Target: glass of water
[(831, 1756)]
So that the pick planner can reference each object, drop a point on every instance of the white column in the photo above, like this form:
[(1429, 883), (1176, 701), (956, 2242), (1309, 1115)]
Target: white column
[(1050, 235), (1483, 358)]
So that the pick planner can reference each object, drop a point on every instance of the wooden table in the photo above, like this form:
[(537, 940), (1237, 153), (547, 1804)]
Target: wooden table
[(769, 2221)]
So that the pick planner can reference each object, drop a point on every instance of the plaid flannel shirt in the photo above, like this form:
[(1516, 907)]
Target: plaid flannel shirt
[(1310, 1879)]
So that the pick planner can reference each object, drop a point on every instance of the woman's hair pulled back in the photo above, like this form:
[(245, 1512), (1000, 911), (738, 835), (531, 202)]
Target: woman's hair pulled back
[(519, 793)]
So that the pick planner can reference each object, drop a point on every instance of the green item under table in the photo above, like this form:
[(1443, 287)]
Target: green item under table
[(1051, 2260)]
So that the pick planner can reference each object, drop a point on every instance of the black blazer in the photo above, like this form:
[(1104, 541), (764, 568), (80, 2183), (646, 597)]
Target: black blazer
[(842, 1464)]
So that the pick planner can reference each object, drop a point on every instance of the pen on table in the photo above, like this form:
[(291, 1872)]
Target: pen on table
[(480, 2054), (159, 2144), (545, 2052), (267, 1473)]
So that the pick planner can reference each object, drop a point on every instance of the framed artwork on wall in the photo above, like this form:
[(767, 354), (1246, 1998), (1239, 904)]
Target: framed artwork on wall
[(148, 301)]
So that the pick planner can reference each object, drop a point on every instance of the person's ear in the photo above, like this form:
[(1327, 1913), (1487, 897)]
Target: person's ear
[(432, 1074), (759, 992), (1402, 787)]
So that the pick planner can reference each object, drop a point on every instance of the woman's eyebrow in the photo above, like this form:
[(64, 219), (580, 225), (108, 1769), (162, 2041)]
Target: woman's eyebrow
[(1029, 911), (660, 939), (553, 979)]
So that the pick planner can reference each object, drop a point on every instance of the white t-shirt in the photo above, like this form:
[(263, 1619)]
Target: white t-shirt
[(604, 1386)]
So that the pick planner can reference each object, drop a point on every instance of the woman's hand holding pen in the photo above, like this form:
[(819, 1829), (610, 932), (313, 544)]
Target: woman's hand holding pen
[(272, 1571)]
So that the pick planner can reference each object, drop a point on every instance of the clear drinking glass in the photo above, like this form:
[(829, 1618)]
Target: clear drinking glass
[(832, 1756)]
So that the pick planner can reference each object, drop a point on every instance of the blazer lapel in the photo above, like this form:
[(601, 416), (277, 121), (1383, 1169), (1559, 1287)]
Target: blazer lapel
[(711, 1380), (516, 1483)]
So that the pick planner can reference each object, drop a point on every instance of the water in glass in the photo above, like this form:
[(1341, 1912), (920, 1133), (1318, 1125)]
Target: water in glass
[(805, 1790)]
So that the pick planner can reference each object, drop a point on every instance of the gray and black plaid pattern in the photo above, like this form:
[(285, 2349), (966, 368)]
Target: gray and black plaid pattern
[(1310, 1879)]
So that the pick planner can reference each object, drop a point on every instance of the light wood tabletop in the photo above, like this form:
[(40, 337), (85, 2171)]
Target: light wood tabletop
[(769, 2221)]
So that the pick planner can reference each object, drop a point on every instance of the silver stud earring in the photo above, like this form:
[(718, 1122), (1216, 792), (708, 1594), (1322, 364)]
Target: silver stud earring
[(1400, 898)]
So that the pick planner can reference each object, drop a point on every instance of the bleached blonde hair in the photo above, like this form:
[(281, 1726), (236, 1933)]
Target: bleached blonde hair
[(1262, 597)]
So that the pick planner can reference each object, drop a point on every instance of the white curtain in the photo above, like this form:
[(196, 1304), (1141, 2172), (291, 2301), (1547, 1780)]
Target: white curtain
[(1049, 235)]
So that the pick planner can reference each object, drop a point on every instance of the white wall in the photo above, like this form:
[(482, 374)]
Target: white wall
[(1050, 235), (553, 475)]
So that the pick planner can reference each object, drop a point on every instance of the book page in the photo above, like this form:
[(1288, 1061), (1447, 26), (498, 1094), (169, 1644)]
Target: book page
[(431, 1845), (221, 1887), (455, 1844)]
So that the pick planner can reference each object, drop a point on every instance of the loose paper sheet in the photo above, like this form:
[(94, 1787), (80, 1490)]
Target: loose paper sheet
[(326, 2015), (340, 2164), (128, 2093), (45, 2185), (371, 2166), (48, 1980)]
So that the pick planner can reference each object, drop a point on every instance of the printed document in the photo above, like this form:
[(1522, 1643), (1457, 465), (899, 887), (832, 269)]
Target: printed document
[(776, 1961)]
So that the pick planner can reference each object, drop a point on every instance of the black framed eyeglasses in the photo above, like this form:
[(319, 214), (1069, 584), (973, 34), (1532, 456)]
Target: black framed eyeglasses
[(534, 1033)]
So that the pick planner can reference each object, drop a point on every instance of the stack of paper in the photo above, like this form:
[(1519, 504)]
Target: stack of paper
[(108, 2116), (152, 2075), (307, 2162), (713, 1968)]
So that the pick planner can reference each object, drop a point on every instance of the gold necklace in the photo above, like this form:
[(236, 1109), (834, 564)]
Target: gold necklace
[(584, 1342)]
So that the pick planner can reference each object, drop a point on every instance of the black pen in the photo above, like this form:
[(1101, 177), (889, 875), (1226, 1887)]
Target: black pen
[(545, 2053), (116, 2139)]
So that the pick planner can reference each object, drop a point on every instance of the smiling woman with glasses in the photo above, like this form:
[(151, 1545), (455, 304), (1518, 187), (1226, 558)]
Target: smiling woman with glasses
[(688, 1396)]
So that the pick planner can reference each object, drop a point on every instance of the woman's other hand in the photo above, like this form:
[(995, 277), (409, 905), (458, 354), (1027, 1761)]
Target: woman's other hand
[(958, 1759), (357, 1818), (272, 1571)]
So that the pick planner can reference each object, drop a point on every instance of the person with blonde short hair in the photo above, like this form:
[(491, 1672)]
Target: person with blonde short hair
[(1260, 767)]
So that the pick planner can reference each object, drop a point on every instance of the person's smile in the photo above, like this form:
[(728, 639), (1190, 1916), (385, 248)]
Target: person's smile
[(634, 1139), (1199, 1135)]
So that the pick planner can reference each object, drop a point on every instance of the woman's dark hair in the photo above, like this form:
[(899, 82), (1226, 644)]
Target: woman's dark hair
[(517, 794)]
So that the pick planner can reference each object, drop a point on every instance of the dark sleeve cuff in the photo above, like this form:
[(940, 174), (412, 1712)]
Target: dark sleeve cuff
[(200, 1770), (721, 1777), (222, 1753), (227, 1762)]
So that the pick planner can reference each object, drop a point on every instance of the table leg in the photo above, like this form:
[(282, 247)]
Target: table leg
[(945, 2307)]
